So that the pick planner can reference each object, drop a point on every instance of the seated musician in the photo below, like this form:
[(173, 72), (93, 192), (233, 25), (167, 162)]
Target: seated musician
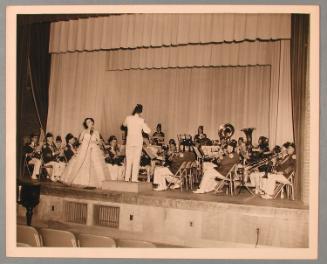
[(201, 139), (32, 155), (70, 148), (158, 137), (115, 161), (61, 148), (211, 171), (262, 149), (165, 174), (50, 156), (150, 156), (283, 166), (241, 149)]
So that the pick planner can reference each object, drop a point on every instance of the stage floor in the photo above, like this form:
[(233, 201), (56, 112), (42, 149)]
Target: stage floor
[(155, 198)]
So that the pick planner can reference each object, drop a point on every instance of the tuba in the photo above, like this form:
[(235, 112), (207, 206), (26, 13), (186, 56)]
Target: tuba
[(248, 133), (225, 132)]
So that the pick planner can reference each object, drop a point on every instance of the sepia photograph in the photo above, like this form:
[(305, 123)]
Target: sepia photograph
[(162, 131)]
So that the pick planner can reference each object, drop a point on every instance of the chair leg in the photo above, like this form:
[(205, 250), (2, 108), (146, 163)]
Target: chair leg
[(219, 186)]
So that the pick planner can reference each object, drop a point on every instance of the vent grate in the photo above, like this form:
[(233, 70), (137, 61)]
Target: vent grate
[(75, 212), (106, 216)]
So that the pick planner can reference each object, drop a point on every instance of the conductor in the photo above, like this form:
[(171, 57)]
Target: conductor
[(135, 126)]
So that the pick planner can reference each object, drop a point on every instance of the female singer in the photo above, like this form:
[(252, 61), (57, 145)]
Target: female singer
[(87, 167)]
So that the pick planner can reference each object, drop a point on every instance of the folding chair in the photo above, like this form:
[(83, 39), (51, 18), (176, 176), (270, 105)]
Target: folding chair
[(28, 235), (57, 238), (289, 187), (181, 175), (227, 181), (88, 240), (189, 175)]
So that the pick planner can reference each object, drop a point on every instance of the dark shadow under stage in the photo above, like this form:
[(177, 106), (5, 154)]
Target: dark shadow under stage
[(172, 217)]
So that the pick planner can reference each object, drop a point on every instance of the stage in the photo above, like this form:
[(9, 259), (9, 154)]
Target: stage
[(173, 217)]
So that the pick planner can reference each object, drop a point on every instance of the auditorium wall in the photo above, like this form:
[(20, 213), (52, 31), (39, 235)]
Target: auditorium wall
[(188, 223)]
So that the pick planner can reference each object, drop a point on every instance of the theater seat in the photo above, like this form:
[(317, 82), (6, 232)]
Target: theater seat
[(126, 243), (28, 235), (57, 238), (88, 240)]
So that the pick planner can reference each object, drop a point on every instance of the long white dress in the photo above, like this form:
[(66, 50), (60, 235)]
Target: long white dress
[(88, 167)]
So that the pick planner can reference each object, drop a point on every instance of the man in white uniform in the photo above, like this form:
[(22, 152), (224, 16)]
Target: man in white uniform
[(135, 126)]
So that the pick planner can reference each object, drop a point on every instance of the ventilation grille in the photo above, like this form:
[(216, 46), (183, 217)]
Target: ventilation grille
[(106, 216), (75, 212)]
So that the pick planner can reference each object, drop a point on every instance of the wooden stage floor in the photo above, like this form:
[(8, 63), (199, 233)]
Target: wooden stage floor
[(158, 198)]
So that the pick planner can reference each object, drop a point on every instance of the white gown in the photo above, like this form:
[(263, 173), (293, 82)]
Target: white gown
[(88, 167)]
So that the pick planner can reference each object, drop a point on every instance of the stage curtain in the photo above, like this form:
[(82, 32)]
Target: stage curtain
[(181, 99), (155, 30), (198, 55), (32, 42), (299, 55)]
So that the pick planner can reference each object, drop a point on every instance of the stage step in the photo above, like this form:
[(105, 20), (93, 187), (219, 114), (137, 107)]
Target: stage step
[(122, 186)]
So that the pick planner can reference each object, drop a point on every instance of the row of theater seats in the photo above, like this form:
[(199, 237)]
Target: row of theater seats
[(28, 236)]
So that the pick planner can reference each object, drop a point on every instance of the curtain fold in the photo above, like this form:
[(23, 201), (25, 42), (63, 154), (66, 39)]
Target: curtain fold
[(197, 55), (156, 30), (299, 60), (180, 99)]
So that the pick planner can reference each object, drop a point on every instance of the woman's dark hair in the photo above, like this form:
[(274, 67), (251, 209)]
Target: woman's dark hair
[(241, 139), (68, 137), (48, 135), (33, 135), (286, 144), (159, 126), (58, 138), (233, 143), (292, 145), (111, 138), (277, 149), (172, 142), (138, 109), (85, 120)]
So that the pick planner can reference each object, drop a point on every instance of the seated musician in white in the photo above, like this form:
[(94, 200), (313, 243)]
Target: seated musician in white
[(282, 170), (32, 155), (114, 160), (211, 171), (165, 174), (151, 156), (50, 156)]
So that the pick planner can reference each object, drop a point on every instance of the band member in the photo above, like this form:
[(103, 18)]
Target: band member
[(165, 174), (200, 139), (135, 126), (87, 168), (281, 173), (70, 149), (241, 149), (211, 171), (61, 148), (158, 137), (32, 155), (114, 160), (50, 156), (58, 142), (284, 165)]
